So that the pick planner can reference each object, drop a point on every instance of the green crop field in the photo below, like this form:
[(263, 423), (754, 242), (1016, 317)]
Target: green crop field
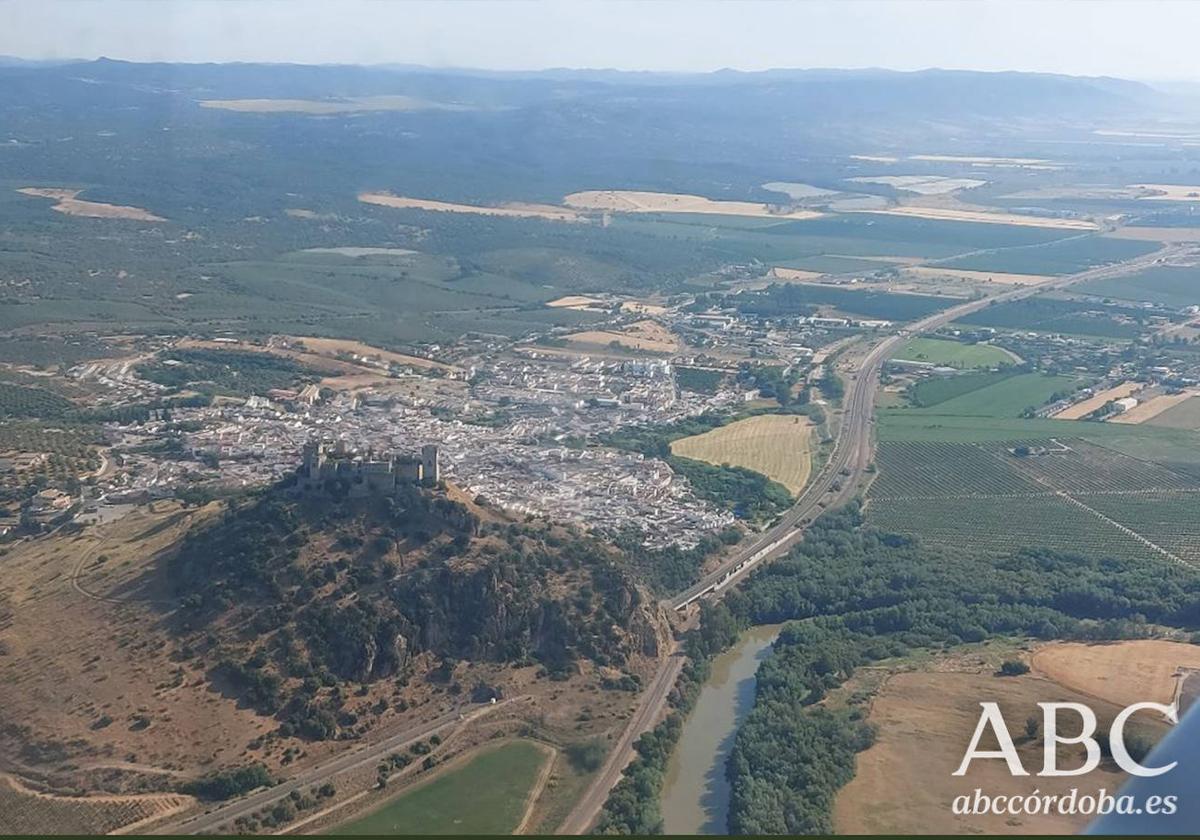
[(485, 796), (1068, 256), (998, 396), (1074, 317), (827, 264), (952, 353), (1168, 285), (1068, 494)]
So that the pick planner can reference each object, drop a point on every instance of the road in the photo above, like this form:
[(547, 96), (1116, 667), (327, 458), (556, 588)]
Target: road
[(846, 467), (653, 700), (853, 449), (368, 755)]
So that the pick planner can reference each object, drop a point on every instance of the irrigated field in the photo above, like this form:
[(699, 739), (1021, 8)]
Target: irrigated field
[(953, 353), (772, 444), (487, 795), (1070, 495), (1000, 395), (1175, 286), (1065, 257)]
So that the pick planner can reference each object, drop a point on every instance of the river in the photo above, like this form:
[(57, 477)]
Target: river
[(695, 797)]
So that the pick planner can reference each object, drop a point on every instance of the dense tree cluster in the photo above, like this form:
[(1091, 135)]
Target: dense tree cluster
[(349, 590), (860, 596)]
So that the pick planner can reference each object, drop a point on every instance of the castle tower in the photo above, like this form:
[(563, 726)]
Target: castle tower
[(431, 470)]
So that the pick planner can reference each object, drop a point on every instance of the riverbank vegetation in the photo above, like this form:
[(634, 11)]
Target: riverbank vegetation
[(861, 595)]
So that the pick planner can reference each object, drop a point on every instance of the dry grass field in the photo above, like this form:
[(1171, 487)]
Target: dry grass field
[(985, 217), (1086, 407), (335, 346), (795, 275), (650, 336), (775, 445), (1186, 415), (1156, 234), (68, 203), (528, 211), (1121, 672), (935, 272), (635, 201), (1152, 407), (926, 717), (1169, 192), (25, 811), (574, 302)]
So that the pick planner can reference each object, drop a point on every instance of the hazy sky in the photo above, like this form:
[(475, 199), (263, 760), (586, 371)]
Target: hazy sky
[(1147, 39)]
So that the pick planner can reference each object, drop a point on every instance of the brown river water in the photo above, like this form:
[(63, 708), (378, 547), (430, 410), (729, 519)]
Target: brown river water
[(695, 796)]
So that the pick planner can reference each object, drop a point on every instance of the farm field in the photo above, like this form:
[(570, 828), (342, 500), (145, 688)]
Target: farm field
[(981, 216), (527, 211), (1068, 256), (1175, 286), (69, 204), (953, 353), (649, 336), (974, 277), (1085, 407), (486, 795), (778, 446), (1150, 408), (1185, 415), (28, 812), (832, 264), (845, 235), (904, 783), (1000, 396), (1069, 494), (633, 201), (1059, 315)]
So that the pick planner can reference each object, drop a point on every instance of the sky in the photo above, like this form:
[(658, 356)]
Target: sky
[(1142, 39)]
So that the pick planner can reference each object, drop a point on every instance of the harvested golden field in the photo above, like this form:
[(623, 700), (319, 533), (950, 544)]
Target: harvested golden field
[(776, 445), (526, 211), (793, 274), (984, 217), (650, 336), (1120, 672), (1086, 407), (1186, 415), (1169, 192), (69, 204), (642, 307), (635, 201), (1156, 234), (975, 276), (1152, 407), (574, 302), (25, 811), (337, 346), (925, 718)]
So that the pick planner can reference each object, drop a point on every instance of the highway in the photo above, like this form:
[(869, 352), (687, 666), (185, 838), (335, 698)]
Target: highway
[(852, 452), (853, 449)]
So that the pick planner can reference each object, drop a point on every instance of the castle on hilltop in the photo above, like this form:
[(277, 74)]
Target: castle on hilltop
[(364, 474)]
